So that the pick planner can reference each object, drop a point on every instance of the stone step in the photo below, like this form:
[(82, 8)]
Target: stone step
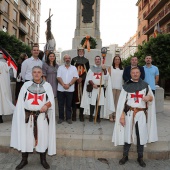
[(91, 140)]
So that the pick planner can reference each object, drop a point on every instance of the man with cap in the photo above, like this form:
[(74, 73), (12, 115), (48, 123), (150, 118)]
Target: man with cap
[(82, 65)]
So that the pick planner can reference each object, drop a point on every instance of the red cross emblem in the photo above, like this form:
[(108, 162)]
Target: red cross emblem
[(97, 75), (136, 96), (35, 97)]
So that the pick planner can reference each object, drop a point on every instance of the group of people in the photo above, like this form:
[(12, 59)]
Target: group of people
[(123, 95)]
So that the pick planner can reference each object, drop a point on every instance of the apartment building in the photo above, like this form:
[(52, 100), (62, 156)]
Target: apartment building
[(21, 18), (151, 13), (129, 48)]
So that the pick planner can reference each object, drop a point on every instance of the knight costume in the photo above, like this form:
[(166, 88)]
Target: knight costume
[(102, 79)]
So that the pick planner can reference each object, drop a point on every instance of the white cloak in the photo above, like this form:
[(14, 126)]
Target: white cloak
[(22, 137), (6, 106), (147, 128), (106, 102)]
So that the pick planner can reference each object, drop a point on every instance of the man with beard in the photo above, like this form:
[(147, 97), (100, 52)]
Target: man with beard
[(135, 117), (100, 97), (67, 76), (82, 65), (151, 73), (33, 124)]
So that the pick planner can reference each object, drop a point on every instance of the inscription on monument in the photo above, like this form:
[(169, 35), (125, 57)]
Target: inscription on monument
[(87, 11)]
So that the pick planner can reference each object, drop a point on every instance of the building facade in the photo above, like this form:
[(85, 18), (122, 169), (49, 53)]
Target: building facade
[(151, 13), (21, 18), (129, 48)]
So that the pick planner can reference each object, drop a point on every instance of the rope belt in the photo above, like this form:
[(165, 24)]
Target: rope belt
[(35, 114)]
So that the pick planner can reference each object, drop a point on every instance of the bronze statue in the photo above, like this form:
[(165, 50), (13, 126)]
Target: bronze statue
[(87, 11)]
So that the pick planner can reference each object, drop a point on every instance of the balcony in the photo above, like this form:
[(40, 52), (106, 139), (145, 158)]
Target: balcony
[(166, 31), (27, 1), (162, 18), (2, 9), (23, 11), (23, 28), (154, 9)]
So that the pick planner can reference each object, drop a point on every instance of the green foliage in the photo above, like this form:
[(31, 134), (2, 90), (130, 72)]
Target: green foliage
[(159, 49), (13, 46), (92, 41), (126, 62)]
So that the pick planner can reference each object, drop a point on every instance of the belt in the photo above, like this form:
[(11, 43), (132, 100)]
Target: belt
[(35, 114), (99, 85)]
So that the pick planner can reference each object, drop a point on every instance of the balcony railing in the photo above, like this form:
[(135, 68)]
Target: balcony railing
[(166, 31), (154, 8), (23, 28), (161, 18), (27, 1), (23, 11)]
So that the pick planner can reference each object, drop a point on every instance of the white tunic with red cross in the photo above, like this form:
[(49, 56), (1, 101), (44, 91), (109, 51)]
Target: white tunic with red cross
[(135, 100), (95, 77), (34, 102)]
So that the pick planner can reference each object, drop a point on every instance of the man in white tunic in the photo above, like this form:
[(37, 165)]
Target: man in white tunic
[(33, 124), (135, 117), (99, 80), (6, 106)]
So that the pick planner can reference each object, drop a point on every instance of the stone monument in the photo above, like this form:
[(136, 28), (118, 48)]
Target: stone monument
[(88, 24)]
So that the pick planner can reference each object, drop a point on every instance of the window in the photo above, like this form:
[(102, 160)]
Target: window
[(139, 34), (28, 27), (37, 29), (15, 31), (32, 18), (29, 13), (139, 21), (16, 1), (14, 15), (144, 29), (5, 26), (27, 41), (6, 7), (143, 42)]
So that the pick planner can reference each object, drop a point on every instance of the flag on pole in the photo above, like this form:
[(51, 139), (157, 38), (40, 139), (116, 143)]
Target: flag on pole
[(10, 61), (157, 30)]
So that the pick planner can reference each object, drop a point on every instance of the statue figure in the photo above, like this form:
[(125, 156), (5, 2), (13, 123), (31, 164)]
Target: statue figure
[(87, 11)]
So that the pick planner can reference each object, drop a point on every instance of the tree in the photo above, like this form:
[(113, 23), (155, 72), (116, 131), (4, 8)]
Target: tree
[(14, 46), (159, 49)]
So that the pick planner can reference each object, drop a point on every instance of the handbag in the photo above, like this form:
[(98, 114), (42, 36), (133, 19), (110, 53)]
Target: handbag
[(89, 88)]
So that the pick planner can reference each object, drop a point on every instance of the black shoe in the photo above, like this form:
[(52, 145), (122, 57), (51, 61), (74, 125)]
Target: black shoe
[(141, 162), (60, 121), (91, 118), (69, 121), (1, 120), (73, 118), (23, 162), (43, 160), (123, 160), (98, 119)]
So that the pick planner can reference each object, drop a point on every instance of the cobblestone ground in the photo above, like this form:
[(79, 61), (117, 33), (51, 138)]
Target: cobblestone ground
[(8, 161)]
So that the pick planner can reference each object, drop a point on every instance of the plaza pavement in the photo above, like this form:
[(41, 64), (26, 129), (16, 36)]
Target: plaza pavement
[(86, 139)]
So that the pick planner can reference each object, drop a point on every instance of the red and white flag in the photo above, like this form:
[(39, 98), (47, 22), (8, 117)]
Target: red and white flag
[(10, 61)]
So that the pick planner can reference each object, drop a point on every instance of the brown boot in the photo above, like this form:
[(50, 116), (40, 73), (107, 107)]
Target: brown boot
[(43, 160), (24, 161)]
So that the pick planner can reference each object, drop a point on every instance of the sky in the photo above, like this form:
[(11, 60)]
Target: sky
[(118, 21)]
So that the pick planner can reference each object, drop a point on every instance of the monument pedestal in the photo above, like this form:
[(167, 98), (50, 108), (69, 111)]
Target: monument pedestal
[(159, 99), (89, 55)]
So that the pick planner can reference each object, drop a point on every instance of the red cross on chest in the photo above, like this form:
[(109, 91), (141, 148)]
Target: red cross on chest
[(136, 96), (97, 75), (35, 98)]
